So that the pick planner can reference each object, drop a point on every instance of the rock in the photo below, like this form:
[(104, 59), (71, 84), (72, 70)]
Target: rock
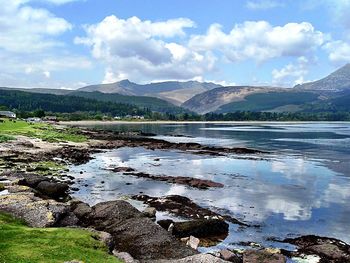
[(150, 212), (70, 219), (183, 207), (31, 180), (328, 249), (201, 228), (165, 223), (134, 233), (193, 242), (228, 255), (122, 169), (200, 258), (261, 256), (126, 257), (82, 210), (53, 189), (189, 181), (33, 210)]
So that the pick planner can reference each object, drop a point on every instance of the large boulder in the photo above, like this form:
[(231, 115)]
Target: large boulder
[(53, 189), (133, 232)]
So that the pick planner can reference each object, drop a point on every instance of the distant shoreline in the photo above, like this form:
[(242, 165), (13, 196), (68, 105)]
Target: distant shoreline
[(92, 122)]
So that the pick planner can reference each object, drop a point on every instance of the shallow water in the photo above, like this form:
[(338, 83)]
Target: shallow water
[(301, 187)]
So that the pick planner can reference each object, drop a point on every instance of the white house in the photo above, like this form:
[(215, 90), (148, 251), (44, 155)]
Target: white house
[(8, 114)]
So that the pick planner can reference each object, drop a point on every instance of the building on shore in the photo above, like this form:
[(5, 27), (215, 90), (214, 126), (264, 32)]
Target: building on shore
[(8, 114)]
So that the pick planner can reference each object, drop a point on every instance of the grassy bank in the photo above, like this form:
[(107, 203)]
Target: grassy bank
[(46, 132), (19, 243)]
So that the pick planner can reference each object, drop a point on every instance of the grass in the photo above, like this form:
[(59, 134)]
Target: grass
[(22, 244), (42, 131), (5, 138)]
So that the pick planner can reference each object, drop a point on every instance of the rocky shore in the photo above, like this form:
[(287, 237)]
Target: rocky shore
[(41, 196)]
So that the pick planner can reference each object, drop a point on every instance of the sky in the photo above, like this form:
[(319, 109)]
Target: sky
[(74, 43)]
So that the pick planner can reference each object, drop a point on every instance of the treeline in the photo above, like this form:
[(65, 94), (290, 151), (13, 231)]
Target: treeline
[(25, 102)]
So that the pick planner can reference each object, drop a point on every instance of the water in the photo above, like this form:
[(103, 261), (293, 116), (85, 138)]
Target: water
[(301, 187)]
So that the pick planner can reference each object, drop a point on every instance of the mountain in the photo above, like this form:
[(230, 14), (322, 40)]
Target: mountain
[(337, 81), (175, 92), (212, 100), (154, 104)]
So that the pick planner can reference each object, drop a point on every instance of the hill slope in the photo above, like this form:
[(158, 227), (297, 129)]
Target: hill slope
[(213, 99), (337, 81), (26, 101), (174, 91), (271, 101), (154, 104)]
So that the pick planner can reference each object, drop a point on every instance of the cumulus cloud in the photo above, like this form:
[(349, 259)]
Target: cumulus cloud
[(263, 4), (292, 73), (338, 52), (260, 41), (145, 50), (26, 29)]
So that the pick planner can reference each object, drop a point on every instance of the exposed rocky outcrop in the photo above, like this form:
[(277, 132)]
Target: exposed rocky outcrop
[(263, 256), (189, 181), (117, 140), (132, 231), (183, 207), (330, 250)]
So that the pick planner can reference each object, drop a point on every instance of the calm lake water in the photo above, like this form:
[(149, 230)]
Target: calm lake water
[(301, 187)]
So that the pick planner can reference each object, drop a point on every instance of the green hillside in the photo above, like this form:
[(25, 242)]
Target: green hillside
[(154, 104), (25, 101), (268, 101)]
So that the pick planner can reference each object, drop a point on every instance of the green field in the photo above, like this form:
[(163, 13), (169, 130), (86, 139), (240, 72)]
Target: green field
[(22, 244), (46, 132)]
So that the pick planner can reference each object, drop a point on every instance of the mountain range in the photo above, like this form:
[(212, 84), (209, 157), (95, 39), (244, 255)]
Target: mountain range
[(331, 93)]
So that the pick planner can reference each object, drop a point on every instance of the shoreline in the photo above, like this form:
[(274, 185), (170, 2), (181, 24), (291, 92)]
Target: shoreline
[(96, 122), (104, 140)]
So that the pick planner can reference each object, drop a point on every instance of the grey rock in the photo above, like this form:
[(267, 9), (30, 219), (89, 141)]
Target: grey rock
[(150, 212), (200, 258), (262, 256)]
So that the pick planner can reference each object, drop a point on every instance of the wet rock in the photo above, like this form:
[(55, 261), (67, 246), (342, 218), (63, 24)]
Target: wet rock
[(198, 228), (183, 207), (228, 255), (201, 258), (53, 189), (134, 233), (189, 181), (121, 169), (150, 212), (31, 180), (328, 249), (262, 256), (74, 155)]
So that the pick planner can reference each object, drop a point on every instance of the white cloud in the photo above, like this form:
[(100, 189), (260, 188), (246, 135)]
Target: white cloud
[(292, 73), (25, 29), (338, 52), (263, 4), (145, 50), (259, 41)]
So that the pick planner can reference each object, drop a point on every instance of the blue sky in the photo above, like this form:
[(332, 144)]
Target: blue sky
[(72, 43)]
